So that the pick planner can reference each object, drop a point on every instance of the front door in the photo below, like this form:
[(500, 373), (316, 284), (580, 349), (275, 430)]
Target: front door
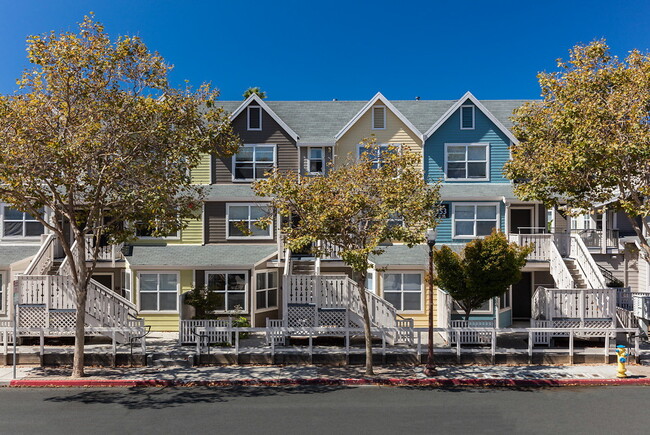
[(521, 220), (521, 297)]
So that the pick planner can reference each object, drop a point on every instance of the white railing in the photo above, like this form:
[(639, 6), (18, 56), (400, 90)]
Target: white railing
[(445, 305), (558, 269), (53, 291), (586, 262), (542, 244), (465, 333), (333, 251), (110, 253), (336, 292), (625, 297), (582, 304), (43, 259), (626, 318), (108, 308), (187, 331)]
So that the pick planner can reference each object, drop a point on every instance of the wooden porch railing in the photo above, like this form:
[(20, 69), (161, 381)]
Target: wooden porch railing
[(43, 259), (586, 262)]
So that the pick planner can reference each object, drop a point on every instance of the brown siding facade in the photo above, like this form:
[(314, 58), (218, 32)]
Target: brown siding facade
[(215, 225), (271, 133)]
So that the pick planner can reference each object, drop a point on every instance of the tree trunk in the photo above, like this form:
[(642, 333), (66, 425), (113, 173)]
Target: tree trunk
[(467, 312), (79, 332), (366, 322), (81, 292)]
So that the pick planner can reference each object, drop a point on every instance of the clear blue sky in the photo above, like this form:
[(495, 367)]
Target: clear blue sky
[(319, 50)]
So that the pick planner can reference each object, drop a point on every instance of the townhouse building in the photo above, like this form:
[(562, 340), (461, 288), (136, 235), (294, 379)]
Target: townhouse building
[(463, 143)]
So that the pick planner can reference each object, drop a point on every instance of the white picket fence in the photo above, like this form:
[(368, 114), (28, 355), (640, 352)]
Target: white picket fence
[(187, 331)]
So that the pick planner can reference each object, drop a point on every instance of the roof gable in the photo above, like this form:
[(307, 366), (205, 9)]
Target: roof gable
[(378, 97), (468, 96), (256, 99)]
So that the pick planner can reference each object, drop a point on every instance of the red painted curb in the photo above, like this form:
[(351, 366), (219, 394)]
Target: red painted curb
[(431, 382)]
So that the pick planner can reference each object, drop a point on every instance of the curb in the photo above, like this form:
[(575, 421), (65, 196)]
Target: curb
[(392, 382)]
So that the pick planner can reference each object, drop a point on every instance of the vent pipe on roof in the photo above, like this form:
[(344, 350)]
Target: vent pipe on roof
[(334, 99), (417, 98)]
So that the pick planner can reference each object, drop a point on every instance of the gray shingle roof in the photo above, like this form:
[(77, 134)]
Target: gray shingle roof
[(320, 121), (201, 257), (224, 192), (402, 255), (11, 254), (477, 190)]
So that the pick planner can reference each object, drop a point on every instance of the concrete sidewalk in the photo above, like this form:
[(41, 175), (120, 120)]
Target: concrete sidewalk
[(314, 375)]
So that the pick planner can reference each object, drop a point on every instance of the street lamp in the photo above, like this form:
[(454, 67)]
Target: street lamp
[(430, 369)]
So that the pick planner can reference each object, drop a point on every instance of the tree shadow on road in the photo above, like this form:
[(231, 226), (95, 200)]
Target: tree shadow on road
[(168, 397)]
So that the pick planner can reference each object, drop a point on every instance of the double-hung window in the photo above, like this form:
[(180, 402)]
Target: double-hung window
[(253, 161), (475, 220), (254, 118), (315, 160), (467, 161), (158, 291), (376, 153), (242, 219), (266, 290), (404, 290), (20, 224), (230, 288)]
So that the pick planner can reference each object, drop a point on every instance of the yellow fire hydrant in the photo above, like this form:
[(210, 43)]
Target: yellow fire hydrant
[(621, 358)]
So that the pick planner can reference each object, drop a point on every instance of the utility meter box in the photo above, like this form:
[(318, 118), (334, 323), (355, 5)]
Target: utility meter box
[(641, 304)]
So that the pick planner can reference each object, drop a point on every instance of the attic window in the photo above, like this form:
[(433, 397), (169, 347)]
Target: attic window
[(467, 117), (378, 118), (254, 118)]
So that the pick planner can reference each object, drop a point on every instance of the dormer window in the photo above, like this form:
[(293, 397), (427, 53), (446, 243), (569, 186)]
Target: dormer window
[(254, 118), (467, 117), (379, 118)]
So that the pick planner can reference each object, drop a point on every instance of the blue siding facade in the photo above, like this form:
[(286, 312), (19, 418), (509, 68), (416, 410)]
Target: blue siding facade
[(445, 230), (484, 131)]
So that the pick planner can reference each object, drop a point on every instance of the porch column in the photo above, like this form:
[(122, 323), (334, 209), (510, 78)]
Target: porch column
[(603, 235)]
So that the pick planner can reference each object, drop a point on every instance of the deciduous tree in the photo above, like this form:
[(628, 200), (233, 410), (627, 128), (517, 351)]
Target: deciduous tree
[(96, 134), (484, 271), (587, 142), (354, 208)]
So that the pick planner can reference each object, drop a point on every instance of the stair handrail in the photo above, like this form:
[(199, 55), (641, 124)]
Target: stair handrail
[(586, 262), (558, 268), (607, 274), (43, 259), (382, 313), (130, 307)]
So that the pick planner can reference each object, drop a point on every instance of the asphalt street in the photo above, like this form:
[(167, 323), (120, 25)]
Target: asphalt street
[(326, 410)]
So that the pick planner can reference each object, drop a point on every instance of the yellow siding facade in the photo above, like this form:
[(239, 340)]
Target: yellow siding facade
[(191, 235), (168, 322), (201, 174), (421, 318), (396, 132)]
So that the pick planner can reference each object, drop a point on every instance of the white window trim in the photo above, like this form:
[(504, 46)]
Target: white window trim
[(465, 106), (322, 159), (405, 272), (178, 286), (372, 125), (246, 289), (249, 204), (248, 118), (487, 161), (458, 310), (474, 236), (234, 161), (277, 288), (5, 289), (509, 291), (2, 227), (127, 277), (362, 146)]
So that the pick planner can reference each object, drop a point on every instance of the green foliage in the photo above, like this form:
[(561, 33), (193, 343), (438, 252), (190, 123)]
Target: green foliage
[(486, 269), (351, 208), (254, 90), (97, 134), (205, 302), (588, 140)]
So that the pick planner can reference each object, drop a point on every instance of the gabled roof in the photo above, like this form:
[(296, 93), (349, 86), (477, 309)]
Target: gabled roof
[(255, 98), (468, 96), (389, 105)]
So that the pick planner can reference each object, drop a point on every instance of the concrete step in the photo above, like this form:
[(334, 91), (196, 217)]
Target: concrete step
[(170, 360)]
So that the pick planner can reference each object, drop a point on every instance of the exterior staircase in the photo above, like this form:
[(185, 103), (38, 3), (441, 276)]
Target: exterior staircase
[(576, 273), (47, 299)]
